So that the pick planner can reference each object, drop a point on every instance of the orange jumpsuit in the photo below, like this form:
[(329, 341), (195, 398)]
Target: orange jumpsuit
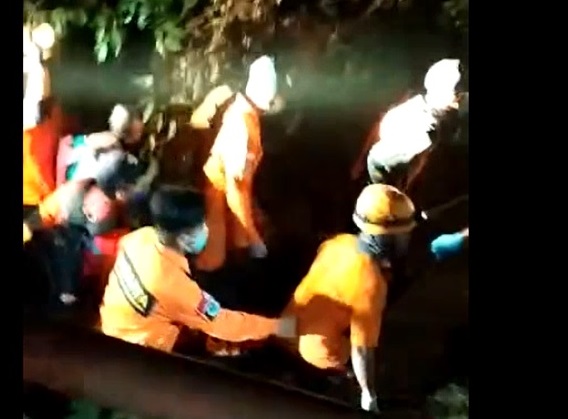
[(39, 151), (203, 116), (229, 173), (343, 290), (150, 295)]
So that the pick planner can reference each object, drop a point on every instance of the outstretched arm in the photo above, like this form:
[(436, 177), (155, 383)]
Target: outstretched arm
[(50, 210), (198, 310)]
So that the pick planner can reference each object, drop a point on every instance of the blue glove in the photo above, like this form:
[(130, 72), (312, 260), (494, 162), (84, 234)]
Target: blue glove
[(447, 245)]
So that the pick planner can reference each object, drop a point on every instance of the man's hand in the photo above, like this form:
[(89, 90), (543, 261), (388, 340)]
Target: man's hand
[(258, 250), (27, 233), (67, 299), (369, 402)]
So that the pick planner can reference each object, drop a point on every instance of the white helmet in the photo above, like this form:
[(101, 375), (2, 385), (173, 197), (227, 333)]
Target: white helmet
[(262, 82), (32, 53), (443, 76)]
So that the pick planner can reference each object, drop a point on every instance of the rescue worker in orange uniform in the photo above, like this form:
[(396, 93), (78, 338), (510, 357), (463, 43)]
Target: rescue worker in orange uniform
[(151, 295), (407, 132), (74, 214), (339, 304), (230, 168), (39, 152), (37, 82)]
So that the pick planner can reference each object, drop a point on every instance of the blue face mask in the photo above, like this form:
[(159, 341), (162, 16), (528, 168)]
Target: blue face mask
[(385, 248), (200, 241), (193, 242)]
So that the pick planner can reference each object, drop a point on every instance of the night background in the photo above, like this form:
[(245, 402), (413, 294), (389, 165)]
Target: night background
[(347, 61)]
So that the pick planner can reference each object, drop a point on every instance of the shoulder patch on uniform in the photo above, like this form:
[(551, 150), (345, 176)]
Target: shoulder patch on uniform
[(140, 299), (208, 306)]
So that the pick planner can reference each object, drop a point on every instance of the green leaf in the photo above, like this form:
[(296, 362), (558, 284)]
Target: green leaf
[(38, 17), (59, 14), (78, 17), (29, 7), (100, 34), (188, 4), (143, 16), (169, 38), (116, 39), (177, 32), (58, 19), (172, 43), (127, 10), (101, 20), (101, 51), (160, 46), (168, 25)]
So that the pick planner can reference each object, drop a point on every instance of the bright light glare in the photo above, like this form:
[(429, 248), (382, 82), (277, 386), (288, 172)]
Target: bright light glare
[(43, 36), (27, 39)]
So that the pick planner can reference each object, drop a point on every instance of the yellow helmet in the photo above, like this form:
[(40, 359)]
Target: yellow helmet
[(383, 209)]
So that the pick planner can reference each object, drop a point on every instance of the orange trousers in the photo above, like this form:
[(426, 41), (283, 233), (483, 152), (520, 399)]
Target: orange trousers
[(226, 230)]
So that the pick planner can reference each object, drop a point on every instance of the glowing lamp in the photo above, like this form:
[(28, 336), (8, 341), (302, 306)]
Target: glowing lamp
[(43, 36)]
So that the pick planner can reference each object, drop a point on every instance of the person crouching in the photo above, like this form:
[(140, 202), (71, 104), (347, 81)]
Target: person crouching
[(340, 302), (151, 294)]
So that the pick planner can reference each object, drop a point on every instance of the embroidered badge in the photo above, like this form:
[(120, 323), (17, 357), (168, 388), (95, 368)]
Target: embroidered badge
[(208, 307), (131, 286)]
